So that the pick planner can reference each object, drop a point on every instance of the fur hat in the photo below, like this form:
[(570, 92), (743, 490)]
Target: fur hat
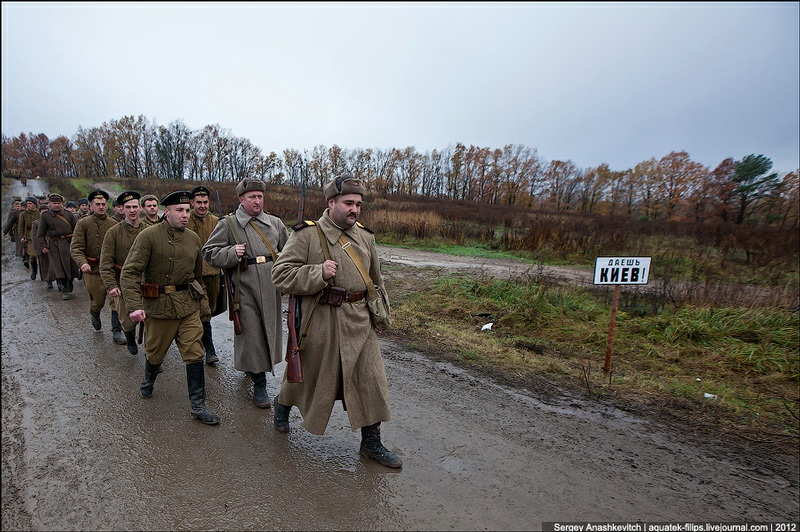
[(344, 184), (250, 185)]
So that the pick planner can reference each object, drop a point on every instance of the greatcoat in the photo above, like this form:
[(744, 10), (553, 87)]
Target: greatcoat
[(25, 226), (57, 228), (38, 244), (341, 358), (260, 345)]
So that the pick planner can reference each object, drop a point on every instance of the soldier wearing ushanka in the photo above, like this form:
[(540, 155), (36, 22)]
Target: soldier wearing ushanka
[(24, 226), (87, 242), (171, 299), (116, 244)]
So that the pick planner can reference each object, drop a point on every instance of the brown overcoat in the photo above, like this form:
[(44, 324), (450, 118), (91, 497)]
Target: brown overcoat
[(341, 358), (57, 229)]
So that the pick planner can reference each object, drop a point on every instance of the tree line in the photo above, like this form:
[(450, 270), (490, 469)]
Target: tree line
[(673, 188)]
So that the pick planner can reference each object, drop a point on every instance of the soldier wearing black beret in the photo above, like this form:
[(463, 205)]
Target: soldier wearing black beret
[(83, 208), (171, 301), (87, 243), (202, 222)]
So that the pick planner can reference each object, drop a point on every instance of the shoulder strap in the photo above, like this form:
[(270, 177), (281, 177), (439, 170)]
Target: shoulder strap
[(347, 246), (269, 246), (235, 241)]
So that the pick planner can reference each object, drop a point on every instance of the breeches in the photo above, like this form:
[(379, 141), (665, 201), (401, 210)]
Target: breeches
[(211, 284), (96, 290), (187, 333), (118, 304)]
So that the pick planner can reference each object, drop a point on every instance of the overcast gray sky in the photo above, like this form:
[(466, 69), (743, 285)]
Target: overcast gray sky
[(594, 83)]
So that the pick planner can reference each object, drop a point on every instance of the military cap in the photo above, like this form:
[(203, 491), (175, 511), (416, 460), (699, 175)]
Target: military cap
[(250, 185), (201, 191), (174, 198), (42, 197), (127, 196), (70, 204), (148, 197), (114, 202), (43, 207), (55, 196), (81, 201), (16, 198), (97, 194), (343, 184), (31, 200)]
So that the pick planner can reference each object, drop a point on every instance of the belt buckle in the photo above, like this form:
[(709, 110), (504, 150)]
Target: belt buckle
[(169, 288), (261, 259)]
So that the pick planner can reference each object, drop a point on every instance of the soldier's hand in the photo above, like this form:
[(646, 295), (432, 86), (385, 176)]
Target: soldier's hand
[(85, 268), (137, 315), (329, 269), (115, 292), (240, 248)]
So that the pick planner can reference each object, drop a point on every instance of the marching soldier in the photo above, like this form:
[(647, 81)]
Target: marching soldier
[(11, 227), (38, 244), (171, 299), (83, 208), (203, 222), (116, 244), (87, 242), (149, 214), (25, 226), (57, 226)]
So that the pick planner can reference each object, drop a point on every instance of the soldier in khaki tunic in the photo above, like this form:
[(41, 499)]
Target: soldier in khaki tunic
[(342, 357), (149, 209), (116, 244), (38, 244), (25, 226), (87, 242), (258, 237), (118, 214), (83, 208), (202, 222), (11, 227), (171, 299), (56, 226)]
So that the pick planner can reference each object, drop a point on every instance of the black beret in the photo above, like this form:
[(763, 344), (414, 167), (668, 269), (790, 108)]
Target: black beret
[(344, 184), (31, 200), (55, 196), (174, 198), (201, 191), (97, 194), (127, 196), (71, 204), (81, 201)]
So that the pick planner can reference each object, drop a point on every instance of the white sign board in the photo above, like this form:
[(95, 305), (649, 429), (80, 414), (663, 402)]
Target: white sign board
[(621, 270)]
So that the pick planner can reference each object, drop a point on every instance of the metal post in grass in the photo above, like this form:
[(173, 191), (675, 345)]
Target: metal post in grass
[(618, 271)]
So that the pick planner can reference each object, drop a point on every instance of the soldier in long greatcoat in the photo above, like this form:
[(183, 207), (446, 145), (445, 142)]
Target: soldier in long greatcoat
[(162, 286), (258, 237), (116, 244), (38, 245), (87, 242), (24, 227), (57, 226), (341, 358)]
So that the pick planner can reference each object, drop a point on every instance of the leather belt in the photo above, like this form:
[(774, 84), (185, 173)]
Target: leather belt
[(168, 289), (261, 259), (352, 297)]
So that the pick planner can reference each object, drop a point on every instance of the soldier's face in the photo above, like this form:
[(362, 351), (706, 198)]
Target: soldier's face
[(55, 206), (344, 210), (119, 209), (132, 210), (16, 206), (253, 202), (200, 204), (84, 207), (178, 215), (151, 208), (30, 206), (99, 205)]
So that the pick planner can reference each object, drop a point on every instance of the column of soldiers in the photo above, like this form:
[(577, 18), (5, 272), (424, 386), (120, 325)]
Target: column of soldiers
[(166, 280)]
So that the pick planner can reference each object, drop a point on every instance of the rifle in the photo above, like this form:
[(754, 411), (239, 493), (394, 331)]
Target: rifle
[(233, 305), (294, 368)]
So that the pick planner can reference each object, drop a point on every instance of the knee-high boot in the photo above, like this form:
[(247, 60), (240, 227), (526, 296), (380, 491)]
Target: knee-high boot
[(34, 270), (150, 373), (260, 395), (130, 341), (208, 344), (196, 381), (116, 329), (371, 447)]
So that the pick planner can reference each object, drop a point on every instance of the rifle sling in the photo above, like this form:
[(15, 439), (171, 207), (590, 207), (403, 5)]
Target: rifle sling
[(235, 241)]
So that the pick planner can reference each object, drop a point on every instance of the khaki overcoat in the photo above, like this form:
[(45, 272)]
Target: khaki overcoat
[(25, 226), (260, 346), (341, 358)]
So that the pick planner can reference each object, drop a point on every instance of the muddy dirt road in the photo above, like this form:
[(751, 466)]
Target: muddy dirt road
[(82, 450)]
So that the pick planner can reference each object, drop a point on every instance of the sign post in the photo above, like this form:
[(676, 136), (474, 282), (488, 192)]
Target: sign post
[(617, 271)]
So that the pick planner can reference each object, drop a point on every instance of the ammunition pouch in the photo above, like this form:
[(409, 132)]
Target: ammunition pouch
[(333, 296), (91, 261), (150, 290)]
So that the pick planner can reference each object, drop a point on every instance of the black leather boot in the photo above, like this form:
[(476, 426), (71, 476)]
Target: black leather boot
[(151, 371), (96, 319), (208, 344), (371, 447), (116, 329), (281, 416), (260, 395), (130, 342), (34, 270), (196, 380)]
